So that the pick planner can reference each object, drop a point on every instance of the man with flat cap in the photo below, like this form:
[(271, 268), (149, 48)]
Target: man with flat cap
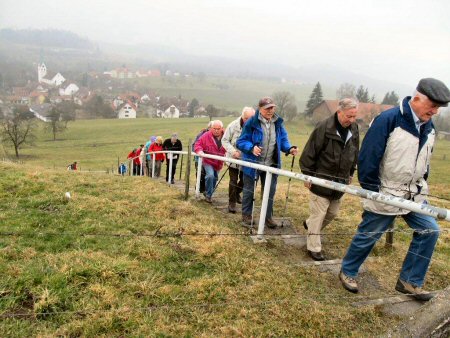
[(395, 160), (262, 140)]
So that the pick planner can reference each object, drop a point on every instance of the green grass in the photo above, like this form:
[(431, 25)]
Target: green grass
[(64, 274), (235, 94)]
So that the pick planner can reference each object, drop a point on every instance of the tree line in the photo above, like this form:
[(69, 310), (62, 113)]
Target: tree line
[(348, 90)]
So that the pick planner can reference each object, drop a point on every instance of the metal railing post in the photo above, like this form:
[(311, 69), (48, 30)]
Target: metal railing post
[(170, 169), (188, 171), (153, 164), (199, 174), (265, 201)]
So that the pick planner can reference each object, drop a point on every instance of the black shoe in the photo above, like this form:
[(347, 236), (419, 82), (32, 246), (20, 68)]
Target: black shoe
[(208, 199), (238, 199), (413, 291), (305, 225), (271, 223), (317, 256)]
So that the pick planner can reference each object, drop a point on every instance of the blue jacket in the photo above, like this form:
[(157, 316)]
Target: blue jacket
[(394, 158), (252, 134)]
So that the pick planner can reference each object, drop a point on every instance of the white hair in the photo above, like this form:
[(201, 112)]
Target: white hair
[(247, 109), (419, 95), (217, 122), (347, 103)]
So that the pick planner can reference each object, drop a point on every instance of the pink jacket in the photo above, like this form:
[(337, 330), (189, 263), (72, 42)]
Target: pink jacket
[(207, 144)]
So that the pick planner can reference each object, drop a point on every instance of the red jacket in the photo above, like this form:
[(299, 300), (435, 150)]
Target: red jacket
[(157, 147), (208, 145), (135, 156)]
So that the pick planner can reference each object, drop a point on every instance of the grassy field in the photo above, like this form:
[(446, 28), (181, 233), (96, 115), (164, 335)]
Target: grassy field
[(94, 267), (230, 93)]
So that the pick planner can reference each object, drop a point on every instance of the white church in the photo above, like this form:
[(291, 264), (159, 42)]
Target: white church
[(55, 81)]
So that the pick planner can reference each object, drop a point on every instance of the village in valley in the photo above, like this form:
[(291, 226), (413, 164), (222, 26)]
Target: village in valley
[(52, 88)]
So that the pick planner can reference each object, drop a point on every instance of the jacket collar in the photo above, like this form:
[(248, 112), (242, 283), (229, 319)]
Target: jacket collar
[(256, 122), (408, 123), (332, 132)]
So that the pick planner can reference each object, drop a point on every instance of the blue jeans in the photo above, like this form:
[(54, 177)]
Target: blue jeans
[(247, 194), (210, 179), (419, 254)]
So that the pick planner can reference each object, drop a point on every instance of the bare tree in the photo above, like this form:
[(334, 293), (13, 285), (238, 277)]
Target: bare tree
[(345, 90), (283, 100), (291, 112), (211, 111), (56, 124), (17, 128)]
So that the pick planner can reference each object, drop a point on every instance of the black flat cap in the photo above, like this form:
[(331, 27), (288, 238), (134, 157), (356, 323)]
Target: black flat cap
[(435, 90)]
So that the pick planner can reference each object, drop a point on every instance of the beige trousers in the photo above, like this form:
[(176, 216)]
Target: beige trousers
[(322, 212)]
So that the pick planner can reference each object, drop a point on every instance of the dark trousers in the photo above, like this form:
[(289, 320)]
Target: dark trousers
[(236, 184), (174, 168), (137, 170), (247, 198), (202, 177)]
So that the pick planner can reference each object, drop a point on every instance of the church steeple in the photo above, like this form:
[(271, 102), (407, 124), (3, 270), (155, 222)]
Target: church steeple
[(42, 71)]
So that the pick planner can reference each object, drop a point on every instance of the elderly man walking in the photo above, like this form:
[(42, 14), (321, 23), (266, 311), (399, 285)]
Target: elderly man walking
[(172, 144), (394, 160), (331, 153), (211, 143), (229, 139), (262, 140)]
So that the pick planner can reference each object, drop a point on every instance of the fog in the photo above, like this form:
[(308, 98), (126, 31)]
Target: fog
[(398, 41)]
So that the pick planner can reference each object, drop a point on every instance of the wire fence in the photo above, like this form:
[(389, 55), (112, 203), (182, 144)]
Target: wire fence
[(436, 212)]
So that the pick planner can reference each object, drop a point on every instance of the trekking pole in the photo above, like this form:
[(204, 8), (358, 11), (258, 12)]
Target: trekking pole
[(217, 185), (287, 192)]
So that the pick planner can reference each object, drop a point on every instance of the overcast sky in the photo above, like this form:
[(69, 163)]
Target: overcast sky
[(399, 41)]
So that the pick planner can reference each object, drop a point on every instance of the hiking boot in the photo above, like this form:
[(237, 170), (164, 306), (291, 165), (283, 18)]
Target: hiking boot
[(317, 256), (232, 208), (305, 225), (349, 283), (271, 223), (414, 291), (247, 220), (238, 199), (208, 199)]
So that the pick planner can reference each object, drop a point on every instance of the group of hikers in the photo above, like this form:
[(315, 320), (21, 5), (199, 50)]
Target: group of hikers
[(394, 159), (142, 157)]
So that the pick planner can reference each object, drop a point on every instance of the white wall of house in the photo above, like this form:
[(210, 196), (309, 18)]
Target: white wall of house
[(171, 112), (126, 112), (69, 90), (58, 80)]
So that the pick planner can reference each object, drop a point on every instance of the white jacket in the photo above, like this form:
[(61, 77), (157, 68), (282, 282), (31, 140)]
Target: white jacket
[(230, 137)]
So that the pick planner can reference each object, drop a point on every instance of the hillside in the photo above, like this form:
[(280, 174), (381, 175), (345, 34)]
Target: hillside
[(93, 266), (127, 256), (45, 38)]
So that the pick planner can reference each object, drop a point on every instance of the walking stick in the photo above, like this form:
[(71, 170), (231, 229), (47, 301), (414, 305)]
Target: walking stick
[(287, 192), (217, 185)]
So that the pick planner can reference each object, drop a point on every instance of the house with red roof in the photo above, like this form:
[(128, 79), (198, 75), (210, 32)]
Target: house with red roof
[(366, 111), (127, 110)]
